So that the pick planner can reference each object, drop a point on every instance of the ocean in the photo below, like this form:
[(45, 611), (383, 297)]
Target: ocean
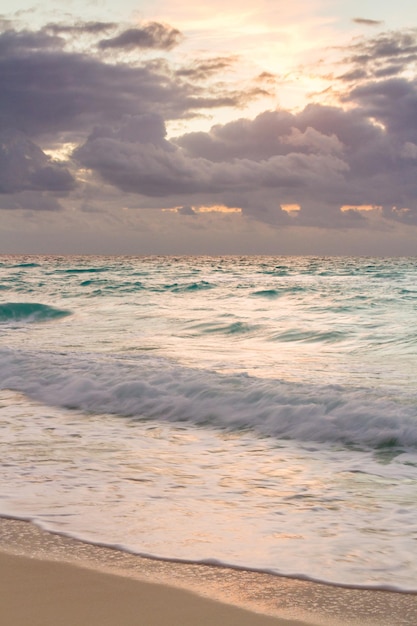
[(258, 412)]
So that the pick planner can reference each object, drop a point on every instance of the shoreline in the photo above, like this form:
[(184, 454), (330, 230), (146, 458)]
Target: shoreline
[(46, 593), (233, 594), (209, 563)]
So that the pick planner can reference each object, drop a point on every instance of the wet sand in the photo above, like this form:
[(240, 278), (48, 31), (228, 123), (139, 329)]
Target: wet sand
[(52, 580), (44, 593)]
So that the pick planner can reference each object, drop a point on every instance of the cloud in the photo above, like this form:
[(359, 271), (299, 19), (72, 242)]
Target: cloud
[(49, 89), (393, 102), (152, 166), (257, 139), (321, 158), (152, 35), (201, 70), (187, 210), (29, 201), (80, 28), (387, 54), (367, 22), (24, 166), (391, 45), (62, 91), (356, 75), (24, 42), (358, 152)]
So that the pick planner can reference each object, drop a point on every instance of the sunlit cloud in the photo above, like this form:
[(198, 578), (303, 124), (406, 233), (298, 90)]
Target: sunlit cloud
[(218, 209), (271, 118), (291, 209), (62, 152), (361, 208)]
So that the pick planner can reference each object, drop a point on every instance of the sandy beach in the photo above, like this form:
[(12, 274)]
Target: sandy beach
[(44, 593), (53, 580)]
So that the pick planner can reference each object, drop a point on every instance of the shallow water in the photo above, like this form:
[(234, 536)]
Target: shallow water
[(259, 412)]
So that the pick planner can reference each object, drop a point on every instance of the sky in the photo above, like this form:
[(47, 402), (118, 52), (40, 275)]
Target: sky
[(170, 127)]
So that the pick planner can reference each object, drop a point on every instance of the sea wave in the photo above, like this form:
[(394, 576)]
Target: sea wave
[(267, 293), (29, 312), (309, 336), (81, 270), (155, 388), (234, 328), (184, 287)]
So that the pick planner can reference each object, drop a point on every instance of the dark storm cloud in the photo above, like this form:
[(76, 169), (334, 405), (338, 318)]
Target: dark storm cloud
[(387, 54), (154, 167), (393, 102), (47, 89), (52, 178), (321, 158), (258, 139), (68, 91), (152, 35), (385, 97), (367, 22), (24, 166)]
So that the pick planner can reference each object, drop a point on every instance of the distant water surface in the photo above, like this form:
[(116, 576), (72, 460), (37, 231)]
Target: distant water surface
[(256, 411)]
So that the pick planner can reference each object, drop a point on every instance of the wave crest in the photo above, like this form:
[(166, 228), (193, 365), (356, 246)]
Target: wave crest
[(29, 312), (153, 388)]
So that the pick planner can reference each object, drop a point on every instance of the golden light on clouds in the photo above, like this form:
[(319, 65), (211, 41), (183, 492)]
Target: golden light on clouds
[(215, 208), (360, 208), (62, 152), (286, 40), (218, 208), (291, 209)]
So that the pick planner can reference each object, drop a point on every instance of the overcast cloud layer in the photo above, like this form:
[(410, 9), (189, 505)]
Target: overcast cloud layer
[(109, 91)]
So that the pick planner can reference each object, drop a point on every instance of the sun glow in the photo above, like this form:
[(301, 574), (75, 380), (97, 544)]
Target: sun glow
[(360, 208), (62, 152), (291, 209), (218, 208)]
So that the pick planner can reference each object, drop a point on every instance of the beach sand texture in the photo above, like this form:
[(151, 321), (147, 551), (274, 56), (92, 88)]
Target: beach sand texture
[(51, 580), (44, 593)]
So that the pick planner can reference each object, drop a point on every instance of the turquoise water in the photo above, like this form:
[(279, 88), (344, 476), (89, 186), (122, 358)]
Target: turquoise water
[(256, 411)]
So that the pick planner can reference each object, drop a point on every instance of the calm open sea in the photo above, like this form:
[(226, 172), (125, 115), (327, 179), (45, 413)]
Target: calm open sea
[(255, 411)]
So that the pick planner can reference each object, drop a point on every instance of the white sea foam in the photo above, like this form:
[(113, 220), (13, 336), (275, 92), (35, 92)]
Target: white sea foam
[(155, 388), (185, 399), (174, 491)]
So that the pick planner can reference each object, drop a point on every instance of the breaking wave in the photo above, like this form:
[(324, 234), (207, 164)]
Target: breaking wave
[(155, 388)]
